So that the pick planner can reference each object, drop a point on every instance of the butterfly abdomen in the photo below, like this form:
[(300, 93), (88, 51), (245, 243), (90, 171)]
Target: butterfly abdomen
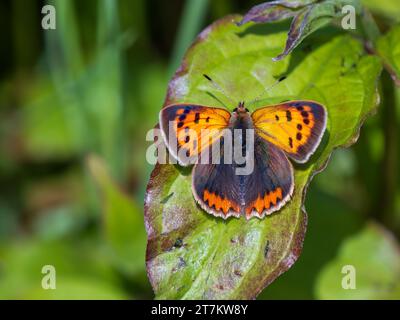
[(243, 132)]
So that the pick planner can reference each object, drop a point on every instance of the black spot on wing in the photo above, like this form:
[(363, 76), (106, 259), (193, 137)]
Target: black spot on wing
[(304, 114), (288, 115)]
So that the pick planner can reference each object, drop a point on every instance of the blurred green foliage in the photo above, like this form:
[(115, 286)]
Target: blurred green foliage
[(75, 106), (375, 257)]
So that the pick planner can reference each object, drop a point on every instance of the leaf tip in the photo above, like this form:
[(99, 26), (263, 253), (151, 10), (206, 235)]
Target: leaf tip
[(241, 22), (279, 57)]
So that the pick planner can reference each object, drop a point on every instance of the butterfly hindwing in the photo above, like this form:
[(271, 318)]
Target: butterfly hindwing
[(222, 192), (271, 183), (216, 188), (296, 127), (189, 128)]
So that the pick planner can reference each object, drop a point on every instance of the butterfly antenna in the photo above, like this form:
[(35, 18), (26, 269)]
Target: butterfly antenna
[(218, 87), (266, 90)]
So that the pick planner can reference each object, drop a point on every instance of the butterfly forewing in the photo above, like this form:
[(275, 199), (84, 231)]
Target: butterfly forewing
[(296, 127), (188, 129)]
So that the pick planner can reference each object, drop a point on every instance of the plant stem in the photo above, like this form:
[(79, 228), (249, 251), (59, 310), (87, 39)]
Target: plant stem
[(389, 165)]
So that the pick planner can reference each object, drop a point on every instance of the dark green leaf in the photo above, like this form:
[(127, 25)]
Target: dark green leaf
[(274, 11), (312, 16)]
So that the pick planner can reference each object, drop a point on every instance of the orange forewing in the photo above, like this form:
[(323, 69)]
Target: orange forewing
[(193, 128), (296, 127)]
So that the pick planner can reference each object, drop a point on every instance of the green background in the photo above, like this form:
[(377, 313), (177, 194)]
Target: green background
[(75, 106)]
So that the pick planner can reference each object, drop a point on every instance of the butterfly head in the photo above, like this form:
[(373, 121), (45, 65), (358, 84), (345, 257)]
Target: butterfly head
[(241, 108)]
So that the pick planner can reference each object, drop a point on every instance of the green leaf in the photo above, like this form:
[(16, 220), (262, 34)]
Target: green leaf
[(375, 256), (123, 221), (386, 8), (309, 16), (388, 47), (274, 11), (193, 255), (311, 19)]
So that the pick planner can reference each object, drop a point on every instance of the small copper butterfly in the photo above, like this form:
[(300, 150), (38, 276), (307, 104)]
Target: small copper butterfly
[(291, 129)]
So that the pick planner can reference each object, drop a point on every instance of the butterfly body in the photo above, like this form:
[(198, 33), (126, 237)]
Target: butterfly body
[(240, 116), (259, 178), (241, 121)]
